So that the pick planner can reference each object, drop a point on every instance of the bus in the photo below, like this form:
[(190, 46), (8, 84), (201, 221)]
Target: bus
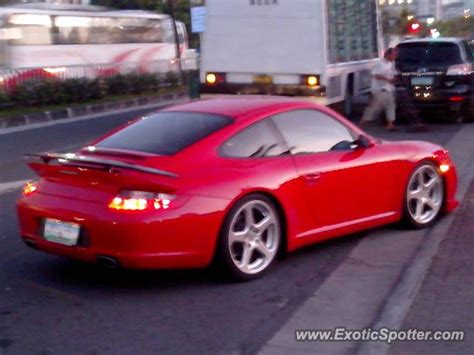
[(322, 50), (71, 40)]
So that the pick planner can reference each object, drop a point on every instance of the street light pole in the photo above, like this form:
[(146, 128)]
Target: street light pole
[(176, 38)]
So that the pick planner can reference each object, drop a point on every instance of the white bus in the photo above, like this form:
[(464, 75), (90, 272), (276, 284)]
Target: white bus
[(321, 49), (56, 37)]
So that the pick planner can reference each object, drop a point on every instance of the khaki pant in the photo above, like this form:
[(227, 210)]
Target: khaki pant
[(383, 100)]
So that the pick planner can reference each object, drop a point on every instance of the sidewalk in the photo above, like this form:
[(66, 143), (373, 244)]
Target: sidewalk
[(446, 298)]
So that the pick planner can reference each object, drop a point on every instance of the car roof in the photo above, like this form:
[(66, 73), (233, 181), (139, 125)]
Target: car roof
[(428, 39), (239, 107)]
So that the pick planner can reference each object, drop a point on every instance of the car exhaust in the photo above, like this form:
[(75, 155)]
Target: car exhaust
[(31, 244), (107, 262)]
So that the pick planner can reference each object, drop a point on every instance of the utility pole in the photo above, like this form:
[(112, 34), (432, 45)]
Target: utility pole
[(171, 4)]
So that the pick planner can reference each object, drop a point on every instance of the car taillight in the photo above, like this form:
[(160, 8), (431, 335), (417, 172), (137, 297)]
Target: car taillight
[(140, 201), (460, 69), (29, 188)]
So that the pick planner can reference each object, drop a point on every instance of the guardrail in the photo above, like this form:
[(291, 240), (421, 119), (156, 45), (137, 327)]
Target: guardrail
[(11, 78)]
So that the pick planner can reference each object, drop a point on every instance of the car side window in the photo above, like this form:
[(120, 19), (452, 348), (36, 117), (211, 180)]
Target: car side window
[(312, 131), (469, 51), (258, 140)]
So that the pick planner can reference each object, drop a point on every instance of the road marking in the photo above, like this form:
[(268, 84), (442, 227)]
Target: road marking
[(6, 187), (89, 117)]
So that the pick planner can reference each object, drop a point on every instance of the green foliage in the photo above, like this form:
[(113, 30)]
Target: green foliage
[(172, 79), (116, 85), (397, 25), (4, 100), (54, 91), (461, 27)]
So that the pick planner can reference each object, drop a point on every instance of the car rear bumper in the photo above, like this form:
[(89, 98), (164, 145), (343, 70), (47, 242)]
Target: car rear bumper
[(259, 89), (444, 99), (179, 238)]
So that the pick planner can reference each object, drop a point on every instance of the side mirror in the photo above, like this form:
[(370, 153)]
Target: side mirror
[(362, 142)]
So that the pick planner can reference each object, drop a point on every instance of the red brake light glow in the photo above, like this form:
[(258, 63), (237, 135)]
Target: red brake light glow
[(140, 201), (29, 188), (456, 99)]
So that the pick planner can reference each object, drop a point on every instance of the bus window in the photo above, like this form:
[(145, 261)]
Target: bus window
[(139, 30), (71, 29), (32, 29), (100, 30)]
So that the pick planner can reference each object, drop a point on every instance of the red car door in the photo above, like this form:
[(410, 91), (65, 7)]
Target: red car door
[(343, 185)]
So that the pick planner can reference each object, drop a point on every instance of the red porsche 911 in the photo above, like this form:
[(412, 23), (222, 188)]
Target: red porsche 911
[(236, 181)]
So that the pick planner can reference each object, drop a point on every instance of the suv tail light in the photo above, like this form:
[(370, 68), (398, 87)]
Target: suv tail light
[(141, 200), (460, 69)]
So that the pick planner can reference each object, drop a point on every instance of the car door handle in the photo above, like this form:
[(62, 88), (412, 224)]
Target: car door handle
[(312, 178)]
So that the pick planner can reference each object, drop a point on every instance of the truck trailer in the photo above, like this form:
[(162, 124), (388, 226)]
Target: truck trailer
[(323, 50)]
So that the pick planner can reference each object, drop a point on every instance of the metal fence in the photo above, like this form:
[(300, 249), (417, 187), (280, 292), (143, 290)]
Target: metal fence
[(11, 78)]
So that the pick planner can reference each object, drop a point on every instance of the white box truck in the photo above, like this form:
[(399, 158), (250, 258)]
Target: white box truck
[(320, 49)]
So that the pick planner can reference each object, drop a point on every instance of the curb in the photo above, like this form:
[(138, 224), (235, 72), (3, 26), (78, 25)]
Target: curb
[(73, 112)]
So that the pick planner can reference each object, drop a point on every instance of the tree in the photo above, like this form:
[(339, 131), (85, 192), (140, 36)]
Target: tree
[(460, 27)]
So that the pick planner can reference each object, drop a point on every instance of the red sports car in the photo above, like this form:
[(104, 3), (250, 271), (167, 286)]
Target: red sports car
[(237, 181)]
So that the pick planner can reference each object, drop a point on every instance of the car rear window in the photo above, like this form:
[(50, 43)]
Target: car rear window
[(165, 133), (442, 53)]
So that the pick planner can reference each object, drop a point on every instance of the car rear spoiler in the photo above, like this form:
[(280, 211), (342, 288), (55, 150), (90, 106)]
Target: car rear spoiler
[(107, 164)]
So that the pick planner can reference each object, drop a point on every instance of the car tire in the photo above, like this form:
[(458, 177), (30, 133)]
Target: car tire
[(424, 196), (250, 238), (468, 114)]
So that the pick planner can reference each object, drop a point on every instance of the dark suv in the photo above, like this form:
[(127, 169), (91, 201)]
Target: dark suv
[(439, 74)]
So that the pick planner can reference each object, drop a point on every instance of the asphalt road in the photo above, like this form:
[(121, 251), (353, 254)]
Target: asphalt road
[(50, 305)]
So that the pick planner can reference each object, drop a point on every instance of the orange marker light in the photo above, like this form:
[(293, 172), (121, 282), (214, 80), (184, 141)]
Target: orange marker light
[(312, 80), (444, 168), (29, 188), (211, 78)]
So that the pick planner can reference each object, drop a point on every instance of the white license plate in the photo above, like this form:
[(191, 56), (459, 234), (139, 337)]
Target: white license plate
[(422, 81), (65, 233)]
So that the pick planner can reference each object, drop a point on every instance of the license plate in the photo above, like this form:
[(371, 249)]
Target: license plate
[(65, 233), (422, 81), (263, 79)]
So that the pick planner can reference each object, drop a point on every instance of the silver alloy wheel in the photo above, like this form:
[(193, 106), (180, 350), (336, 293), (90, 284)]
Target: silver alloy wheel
[(424, 194), (254, 237)]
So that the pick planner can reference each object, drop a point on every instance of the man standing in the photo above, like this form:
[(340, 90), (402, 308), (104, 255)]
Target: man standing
[(383, 90)]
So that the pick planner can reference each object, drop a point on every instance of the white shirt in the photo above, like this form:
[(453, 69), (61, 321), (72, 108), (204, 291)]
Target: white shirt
[(386, 69)]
